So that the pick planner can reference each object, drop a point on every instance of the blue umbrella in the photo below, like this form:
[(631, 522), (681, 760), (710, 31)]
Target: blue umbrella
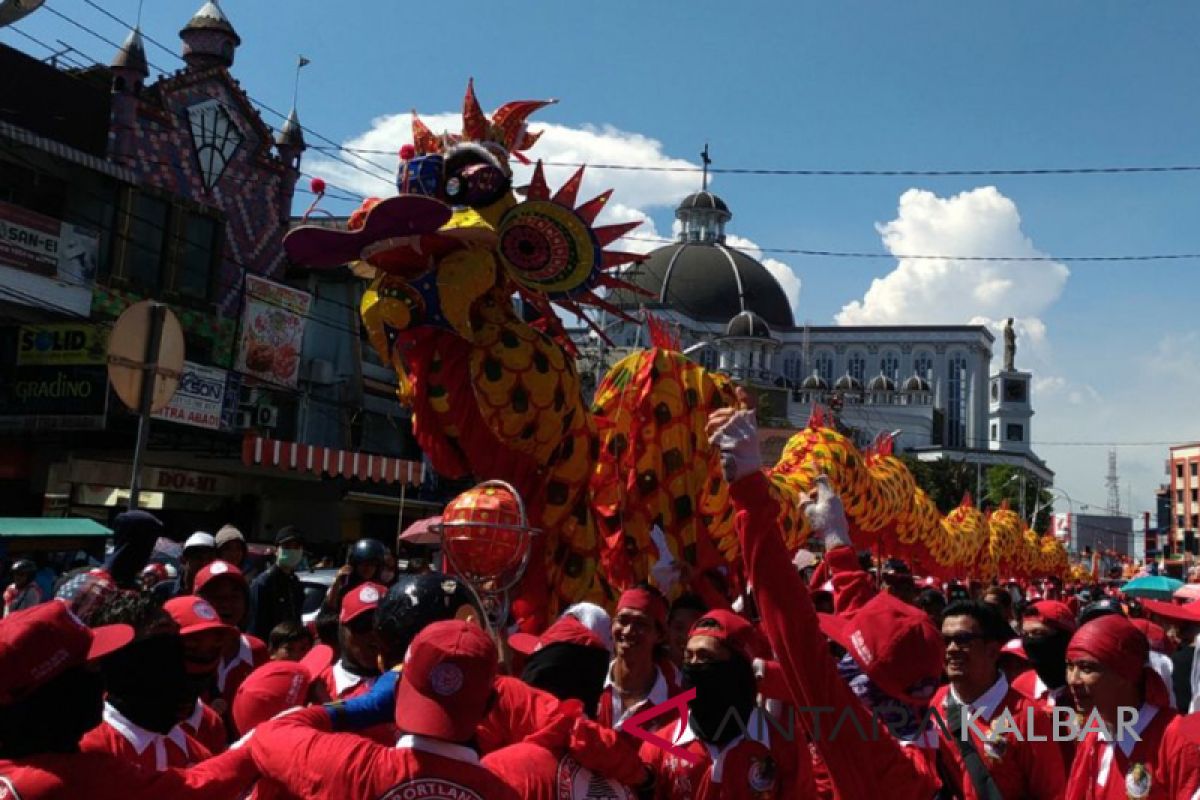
[(1156, 586)]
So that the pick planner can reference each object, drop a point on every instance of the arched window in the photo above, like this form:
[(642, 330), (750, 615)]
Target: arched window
[(856, 365), (823, 366), (889, 365), (923, 366), (793, 367), (957, 390)]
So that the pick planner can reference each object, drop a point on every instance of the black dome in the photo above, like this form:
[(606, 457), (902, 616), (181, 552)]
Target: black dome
[(916, 384), (709, 283), (848, 383), (704, 200), (748, 325), (882, 383), (814, 381)]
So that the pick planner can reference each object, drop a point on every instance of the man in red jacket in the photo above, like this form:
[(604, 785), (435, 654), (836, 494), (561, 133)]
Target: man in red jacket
[(640, 676), (444, 693), (1149, 751), (895, 652), (991, 762), (734, 752), (51, 693)]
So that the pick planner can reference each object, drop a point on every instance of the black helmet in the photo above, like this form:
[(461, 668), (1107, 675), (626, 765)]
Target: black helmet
[(24, 565), (415, 601), (1101, 608), (366, 551)]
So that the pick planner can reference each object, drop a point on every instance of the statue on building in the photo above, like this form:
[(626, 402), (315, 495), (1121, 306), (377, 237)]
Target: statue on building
[(1010, 346)]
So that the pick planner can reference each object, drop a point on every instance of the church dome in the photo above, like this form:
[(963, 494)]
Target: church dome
[(209, 38), (748, 325), (702, 201), (848, 383)]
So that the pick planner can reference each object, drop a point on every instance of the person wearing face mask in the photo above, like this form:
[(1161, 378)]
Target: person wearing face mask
[(276, 595), (51, 693), (1046, 628), (736, 755), (893, 651)]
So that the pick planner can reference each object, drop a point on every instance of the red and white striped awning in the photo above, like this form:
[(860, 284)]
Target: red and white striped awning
[(295, 457)]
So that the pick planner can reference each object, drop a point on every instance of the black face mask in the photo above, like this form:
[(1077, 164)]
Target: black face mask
[(1049, 657), (147, 682), (569, 672), (725, 695)]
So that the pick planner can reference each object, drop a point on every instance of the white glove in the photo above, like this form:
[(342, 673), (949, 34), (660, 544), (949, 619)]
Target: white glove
[(826, 515), (738, 443), (666, 572)]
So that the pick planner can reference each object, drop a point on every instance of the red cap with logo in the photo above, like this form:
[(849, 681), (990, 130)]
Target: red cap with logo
[(277, 686), (1053, 613), (896, 644), (649, 603), (565, 630), (217, 569), (361, 600), (195, 615), (447, 681), (738, 634), (41, 643)]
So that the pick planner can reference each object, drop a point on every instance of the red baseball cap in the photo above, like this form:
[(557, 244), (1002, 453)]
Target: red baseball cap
[(277, 686), (447, 681), (217, 569), (565, 630), (895, 644), (360, 600), (1015, 647), (645, 601), (737, 633), (195, 615), (1053, 613), (41, 643)]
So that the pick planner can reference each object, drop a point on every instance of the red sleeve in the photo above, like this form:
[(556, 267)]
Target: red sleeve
[(790, 624), (258, 650), (298, 751), (1182, 755), (101, 776), (852, 587), (520, 711), (771, 682), (1045, 775), (607, 752), (708, 593)]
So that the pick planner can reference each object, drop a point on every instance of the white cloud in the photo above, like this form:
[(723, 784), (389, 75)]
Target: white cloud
[(981, 222)]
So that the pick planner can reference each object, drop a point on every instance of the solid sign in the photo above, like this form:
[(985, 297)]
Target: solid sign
[(46, 246), (272, 331), (200, 398), (39, 345)]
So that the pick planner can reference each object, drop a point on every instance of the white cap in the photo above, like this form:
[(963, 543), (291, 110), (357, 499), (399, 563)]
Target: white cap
[(200, 539), (595, 619)]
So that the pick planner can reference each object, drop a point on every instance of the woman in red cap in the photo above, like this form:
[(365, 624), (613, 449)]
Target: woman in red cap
[(640, 676), (1151, 753), (894, 653)]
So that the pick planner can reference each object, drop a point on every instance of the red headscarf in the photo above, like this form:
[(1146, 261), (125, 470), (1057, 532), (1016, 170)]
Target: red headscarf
[(646, 601), (1114, 642)]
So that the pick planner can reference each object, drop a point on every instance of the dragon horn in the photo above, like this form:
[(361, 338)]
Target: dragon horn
[(475, 124), (423, 139)]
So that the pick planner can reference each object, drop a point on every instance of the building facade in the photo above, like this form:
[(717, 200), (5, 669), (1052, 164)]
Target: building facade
[(1183, 469)]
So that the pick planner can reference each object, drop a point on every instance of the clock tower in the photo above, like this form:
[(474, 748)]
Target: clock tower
[(1009, 411)]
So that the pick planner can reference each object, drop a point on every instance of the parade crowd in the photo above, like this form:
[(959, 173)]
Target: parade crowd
[(818, 679)]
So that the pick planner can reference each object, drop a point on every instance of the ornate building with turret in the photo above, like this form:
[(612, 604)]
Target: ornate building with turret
[(930, 385)]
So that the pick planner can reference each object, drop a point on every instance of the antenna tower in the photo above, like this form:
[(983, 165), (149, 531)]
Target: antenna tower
[(1114, 485)]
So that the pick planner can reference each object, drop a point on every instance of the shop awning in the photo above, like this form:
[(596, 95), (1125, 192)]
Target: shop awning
[(47, 527), (296, 457)]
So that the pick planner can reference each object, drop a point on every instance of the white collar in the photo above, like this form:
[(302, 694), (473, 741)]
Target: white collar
[(756, 729), (244, 656), (140, 738), (343, 679), (425, 744), (988, 703), (196, 718), (1127, 742), (659, 694)]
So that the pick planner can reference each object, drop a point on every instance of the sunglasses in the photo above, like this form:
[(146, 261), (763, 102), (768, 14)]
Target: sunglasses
[(960, 639)]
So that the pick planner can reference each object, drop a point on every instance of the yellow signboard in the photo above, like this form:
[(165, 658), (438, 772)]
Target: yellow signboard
[(61, 345)]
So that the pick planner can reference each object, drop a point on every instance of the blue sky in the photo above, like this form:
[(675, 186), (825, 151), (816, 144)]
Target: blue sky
[(853, 85)]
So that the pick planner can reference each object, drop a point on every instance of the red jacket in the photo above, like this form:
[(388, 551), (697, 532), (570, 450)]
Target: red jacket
[(1020, 768), (538, 773), (666, 686), (103, 776), (206, 726), (1030, 685), (859, 766), (1169, 751), (761, 764), (298, 751), (153, 752)]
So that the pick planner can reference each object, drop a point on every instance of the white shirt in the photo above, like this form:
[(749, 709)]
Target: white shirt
[(1127, 742), (450, 750), (658, 694), (141, 738), (243, 656), (756, 728), (343, 679), (987, 704)]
